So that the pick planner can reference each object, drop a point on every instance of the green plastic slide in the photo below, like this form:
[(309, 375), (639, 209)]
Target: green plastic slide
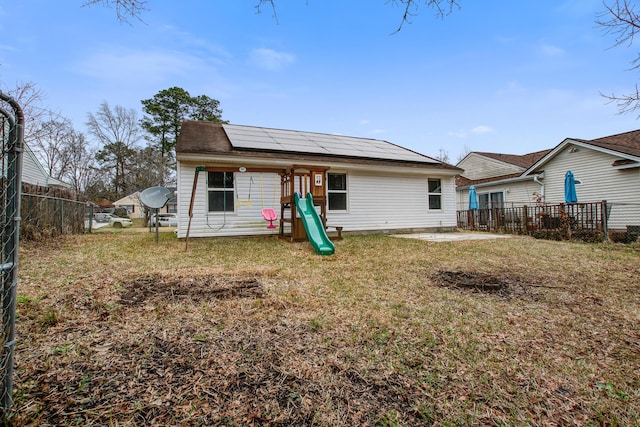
[(313, 225)]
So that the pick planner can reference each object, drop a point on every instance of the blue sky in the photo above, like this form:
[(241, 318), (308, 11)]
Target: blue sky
[(499, 76)]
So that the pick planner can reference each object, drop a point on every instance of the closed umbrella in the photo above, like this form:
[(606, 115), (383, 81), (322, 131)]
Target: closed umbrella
[(473, 198), (570, 195)]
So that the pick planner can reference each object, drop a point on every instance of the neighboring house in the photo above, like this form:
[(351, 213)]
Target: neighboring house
[(359, 184), (34, 173), (131, 204), (606, 168), (172, 203), (498, 179), (103, 205), (135, 209)]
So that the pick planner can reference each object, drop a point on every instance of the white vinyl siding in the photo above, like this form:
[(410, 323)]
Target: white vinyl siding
[(376, 201), (246, 219), (600, 181), (34, 173), (479, 167), (393, 202)]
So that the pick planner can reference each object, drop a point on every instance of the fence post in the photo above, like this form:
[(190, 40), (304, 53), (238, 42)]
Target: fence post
[(10, 241), (90, 216), (525, 220), (62, 217), (605, 220)]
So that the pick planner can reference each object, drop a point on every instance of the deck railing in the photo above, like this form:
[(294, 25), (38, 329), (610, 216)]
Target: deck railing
[(583, 221)]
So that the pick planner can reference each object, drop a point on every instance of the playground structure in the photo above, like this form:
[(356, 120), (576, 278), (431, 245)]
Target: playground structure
[(300, 212), (302, 203), (302, 180)]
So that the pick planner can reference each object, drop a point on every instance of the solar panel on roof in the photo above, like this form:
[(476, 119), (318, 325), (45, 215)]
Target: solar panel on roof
[(316, 143)]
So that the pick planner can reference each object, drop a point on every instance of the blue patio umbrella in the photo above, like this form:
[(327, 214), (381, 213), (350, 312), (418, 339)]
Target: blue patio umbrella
[(570, 195), (473, 198)]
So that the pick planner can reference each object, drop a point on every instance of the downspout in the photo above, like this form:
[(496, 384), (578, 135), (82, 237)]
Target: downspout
[(535, 179)]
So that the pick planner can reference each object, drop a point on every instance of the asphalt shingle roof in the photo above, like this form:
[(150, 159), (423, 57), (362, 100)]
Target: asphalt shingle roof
[(626, 143), (524, 161)]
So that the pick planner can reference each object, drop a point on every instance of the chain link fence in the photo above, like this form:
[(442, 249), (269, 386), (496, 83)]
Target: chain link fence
[(48, 213), (11, 139)]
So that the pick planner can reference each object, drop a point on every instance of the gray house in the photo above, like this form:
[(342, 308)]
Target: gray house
[(33, 172)]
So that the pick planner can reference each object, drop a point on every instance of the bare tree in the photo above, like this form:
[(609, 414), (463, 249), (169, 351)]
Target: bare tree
[(81, 170), (443, 155), (118, 132), (409, 8), (125, 9), (621, 20), (30, 98), (117, 125), (149, 169), (465, 151), (50, 140), (64, 152)]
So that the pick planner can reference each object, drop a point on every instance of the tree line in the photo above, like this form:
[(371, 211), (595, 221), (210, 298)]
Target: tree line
[(120, 152)]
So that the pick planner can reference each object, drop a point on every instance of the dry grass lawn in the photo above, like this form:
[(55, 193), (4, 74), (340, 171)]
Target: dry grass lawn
[(116, 330)]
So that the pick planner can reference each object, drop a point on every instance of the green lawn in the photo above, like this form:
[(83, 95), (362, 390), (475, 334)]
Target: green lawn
[(114, 329)]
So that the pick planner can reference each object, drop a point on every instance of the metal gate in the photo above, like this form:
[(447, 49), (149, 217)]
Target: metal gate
[(11, 139)]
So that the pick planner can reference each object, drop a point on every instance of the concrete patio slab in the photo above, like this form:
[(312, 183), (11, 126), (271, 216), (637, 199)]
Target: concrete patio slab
[(452, 237)]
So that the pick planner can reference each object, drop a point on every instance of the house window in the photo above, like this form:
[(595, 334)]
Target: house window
[(487, 202), (337, 191), (491, 200), (221, 192), (434, 187)]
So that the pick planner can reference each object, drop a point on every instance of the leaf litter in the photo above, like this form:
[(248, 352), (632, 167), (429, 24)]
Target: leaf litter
[(254, 346)]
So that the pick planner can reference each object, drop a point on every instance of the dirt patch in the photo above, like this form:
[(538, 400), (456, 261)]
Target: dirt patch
[(474, 281), (140, 290)]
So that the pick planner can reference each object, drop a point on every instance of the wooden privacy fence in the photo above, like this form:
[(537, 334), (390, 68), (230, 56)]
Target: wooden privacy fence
[(582, 221)]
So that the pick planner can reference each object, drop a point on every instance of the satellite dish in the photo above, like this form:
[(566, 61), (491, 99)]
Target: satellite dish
[(155, 197)]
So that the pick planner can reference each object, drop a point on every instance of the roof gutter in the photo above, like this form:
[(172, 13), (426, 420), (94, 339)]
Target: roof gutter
[(505, 181), (338, 163)]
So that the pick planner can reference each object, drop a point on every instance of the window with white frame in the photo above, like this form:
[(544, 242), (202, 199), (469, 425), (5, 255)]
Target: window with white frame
[(220, 191), (434, 189), (337, 191), (487, 202), (491, 200)]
